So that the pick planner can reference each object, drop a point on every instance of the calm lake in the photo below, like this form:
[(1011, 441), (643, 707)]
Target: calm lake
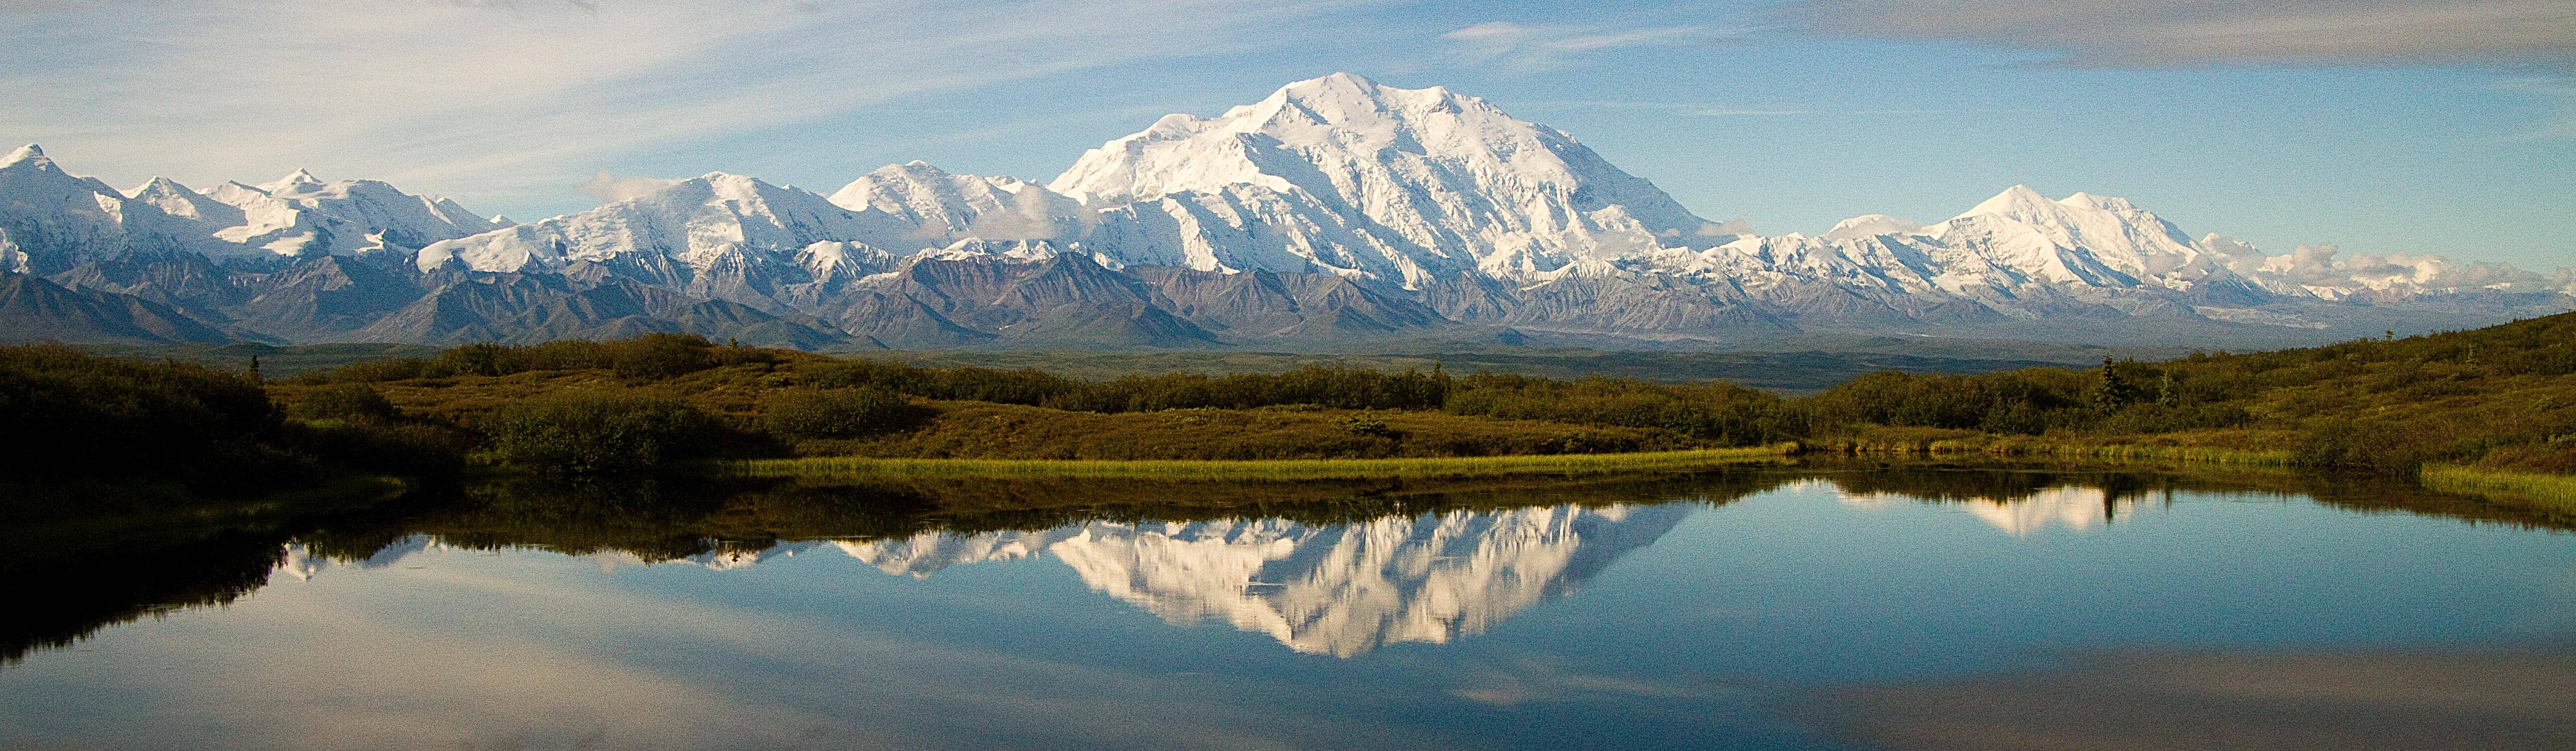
[(1787, 609)]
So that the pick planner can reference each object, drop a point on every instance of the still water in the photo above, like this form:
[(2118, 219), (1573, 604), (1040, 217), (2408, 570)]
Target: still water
[(1783, 609)]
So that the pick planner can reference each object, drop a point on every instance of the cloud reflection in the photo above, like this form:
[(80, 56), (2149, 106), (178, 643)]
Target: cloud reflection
[(2501, 699)]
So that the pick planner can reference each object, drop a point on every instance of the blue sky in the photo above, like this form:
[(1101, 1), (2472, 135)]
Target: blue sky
[(2443, 127)]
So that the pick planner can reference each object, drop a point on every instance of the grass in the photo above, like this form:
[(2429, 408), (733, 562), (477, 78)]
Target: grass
[(1264, 469), (2546, 491), (2126, 451), (2229, 447)]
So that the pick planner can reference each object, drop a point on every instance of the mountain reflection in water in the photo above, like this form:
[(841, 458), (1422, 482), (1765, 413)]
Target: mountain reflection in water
[(1329, 589), (2075, 508), (1337, 589), (1804, 608), (1323, 568)]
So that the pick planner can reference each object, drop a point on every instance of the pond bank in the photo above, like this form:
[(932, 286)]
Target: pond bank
[(2531, 489), (1265, 469)]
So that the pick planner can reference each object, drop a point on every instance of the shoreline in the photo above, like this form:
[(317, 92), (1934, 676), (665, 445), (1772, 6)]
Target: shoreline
[(2503, 487), (1288, 470)]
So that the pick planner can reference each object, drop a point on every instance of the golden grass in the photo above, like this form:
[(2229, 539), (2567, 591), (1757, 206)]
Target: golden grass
[(1956, 444), (2137, 452), (2534, 489), (1263, 470)]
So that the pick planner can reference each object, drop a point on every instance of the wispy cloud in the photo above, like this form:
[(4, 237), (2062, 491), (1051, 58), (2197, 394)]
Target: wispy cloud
[(2559, 92), (611, 188), (1552, 45), (2181, 33), (507, 97), (1735, 110)]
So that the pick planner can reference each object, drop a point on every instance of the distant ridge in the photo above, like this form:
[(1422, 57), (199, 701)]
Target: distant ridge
[(1335, 212)]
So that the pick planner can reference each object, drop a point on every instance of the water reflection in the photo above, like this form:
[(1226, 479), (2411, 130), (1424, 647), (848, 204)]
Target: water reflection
[(1336, 589), (2324, 700), (2072, 507), (1327, 589), (1325, 568), (1904, 607), (302, 562)]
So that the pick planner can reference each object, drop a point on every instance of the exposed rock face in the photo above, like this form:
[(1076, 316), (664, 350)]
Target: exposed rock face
[(32, 309)]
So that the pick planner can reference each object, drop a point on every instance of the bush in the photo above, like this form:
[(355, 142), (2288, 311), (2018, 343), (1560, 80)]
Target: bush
[(348, 402), (838, 413), (659, 356), (1717, 412), (419, 449), (596, 432), (69, 414), (1365, 424)]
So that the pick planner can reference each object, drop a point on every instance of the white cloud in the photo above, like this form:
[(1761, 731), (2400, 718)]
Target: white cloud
[(525, 97), (2325, 265), (611, 189), (2170, 33), (1552, 45)]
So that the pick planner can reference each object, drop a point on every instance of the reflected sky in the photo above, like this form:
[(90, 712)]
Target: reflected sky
[(1792, 618)]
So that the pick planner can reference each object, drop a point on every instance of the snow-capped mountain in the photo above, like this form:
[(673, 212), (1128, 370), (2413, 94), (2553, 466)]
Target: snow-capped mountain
[(944, 209), (51, 216), (51, 221), (1335, 210), (1340, 590), (1345, 175), (302, 215)]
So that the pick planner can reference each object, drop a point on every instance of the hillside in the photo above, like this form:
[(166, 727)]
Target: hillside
[(2502, 397)]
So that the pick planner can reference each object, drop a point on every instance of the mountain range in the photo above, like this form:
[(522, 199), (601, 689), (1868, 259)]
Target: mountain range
[(1336, 212)]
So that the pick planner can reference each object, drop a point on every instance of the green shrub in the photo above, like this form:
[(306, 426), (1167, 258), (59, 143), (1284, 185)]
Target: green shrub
[(350, 402), (659, 356), (838, 413), (64, 413), (597, 432), (1364, 424), (418, 448)]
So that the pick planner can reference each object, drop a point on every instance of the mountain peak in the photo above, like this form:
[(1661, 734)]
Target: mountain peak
[(298, 179), (1461, 185), (31, 155), (158, 185), (1870, 225), (2104, 203), (2018, 201), (1335, 84)]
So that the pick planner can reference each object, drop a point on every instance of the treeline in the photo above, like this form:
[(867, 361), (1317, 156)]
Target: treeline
[(2501, 395), (66, 416), (647, 357), (1332, 388)]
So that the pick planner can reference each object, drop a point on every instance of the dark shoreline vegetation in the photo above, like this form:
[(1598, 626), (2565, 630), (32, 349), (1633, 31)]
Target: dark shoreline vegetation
[(2500, 399)]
